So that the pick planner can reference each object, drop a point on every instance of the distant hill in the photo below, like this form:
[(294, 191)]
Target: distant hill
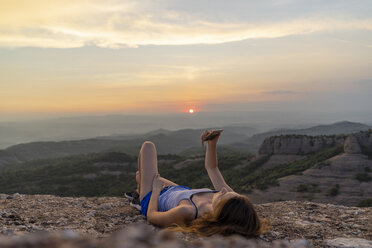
[(344, 127), (104, 174), (166, 142), (183, 141), (87, 127)]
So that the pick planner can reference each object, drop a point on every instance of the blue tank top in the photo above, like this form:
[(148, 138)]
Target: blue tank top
[(174, 194)]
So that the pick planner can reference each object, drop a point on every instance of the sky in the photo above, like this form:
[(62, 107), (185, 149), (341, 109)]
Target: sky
[(64, 57)]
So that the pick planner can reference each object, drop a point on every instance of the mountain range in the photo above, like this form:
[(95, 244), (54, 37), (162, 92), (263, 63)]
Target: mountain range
[(186, 141)]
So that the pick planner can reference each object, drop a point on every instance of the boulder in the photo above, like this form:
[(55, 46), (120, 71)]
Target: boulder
[(351, 145), (349, 243)]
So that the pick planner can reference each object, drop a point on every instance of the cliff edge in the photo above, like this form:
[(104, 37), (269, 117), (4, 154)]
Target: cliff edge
[(294, 144)]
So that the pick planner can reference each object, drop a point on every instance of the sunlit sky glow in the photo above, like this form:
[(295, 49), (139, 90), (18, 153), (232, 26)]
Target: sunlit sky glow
[(69, 57)]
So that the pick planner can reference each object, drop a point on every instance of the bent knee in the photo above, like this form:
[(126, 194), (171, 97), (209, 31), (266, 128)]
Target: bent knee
[(148, 145), (138, 179)]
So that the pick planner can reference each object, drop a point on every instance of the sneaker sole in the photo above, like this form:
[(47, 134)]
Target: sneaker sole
[(138, 207), (128, 196)]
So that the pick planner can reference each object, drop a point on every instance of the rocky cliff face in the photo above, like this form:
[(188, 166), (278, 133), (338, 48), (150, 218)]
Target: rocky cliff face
[(317, 183), (343, 179), (78, 222), (298, 144), (359, 143), (303, 144), (351, 145)]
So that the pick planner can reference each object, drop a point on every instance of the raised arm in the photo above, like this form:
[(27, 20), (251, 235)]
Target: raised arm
[(211, 164)]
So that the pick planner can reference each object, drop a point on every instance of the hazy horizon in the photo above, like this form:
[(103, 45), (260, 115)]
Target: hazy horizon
[(91, 126), (290, 117)]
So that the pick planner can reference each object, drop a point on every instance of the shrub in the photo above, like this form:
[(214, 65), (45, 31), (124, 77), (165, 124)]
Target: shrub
[(335, 190), (365, 203), (302, 188), (310, 197), (363, 177), (313, 188), (367, 151), (323, 164)]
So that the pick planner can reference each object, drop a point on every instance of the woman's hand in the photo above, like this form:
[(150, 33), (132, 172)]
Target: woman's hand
[(157, 183), (212, 141)]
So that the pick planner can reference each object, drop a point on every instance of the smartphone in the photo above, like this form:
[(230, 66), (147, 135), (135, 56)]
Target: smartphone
[(213, 134)]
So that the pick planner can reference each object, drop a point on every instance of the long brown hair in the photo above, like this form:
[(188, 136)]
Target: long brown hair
[(231, 216)]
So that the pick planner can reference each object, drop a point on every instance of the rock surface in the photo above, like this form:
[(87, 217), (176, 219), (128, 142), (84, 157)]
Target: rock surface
[(139, 236), (343, 179), (315, 183), (78, 222), (98, 216), (352, 243), (351, 145)]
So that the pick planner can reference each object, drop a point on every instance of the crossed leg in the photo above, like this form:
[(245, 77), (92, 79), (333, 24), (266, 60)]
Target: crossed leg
[(147, 169)]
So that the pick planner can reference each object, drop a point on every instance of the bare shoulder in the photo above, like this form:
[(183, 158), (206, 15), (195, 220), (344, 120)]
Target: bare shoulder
[(179, 215), (186, 212)]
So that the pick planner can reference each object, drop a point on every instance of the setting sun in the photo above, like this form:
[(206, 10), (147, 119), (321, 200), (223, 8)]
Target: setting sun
[(191, 111)]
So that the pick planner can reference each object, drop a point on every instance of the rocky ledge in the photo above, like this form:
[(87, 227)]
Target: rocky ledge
[(49, 221), (354, 143)]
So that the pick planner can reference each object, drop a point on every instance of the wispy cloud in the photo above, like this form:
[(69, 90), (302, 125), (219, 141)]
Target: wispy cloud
[(363, 82), (360, 43), (66, 24), (280, 92), (283, 2)]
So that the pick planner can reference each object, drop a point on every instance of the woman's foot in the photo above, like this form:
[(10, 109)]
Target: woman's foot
[(136, 203), (131, 195)]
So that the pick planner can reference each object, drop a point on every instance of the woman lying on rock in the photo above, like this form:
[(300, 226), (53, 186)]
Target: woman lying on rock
[(201, 211)]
